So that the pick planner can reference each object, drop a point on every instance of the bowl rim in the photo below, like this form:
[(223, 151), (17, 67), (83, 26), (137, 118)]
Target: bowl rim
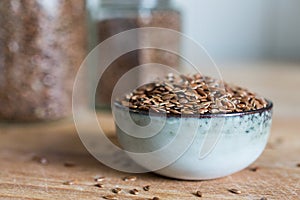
[(199, 116)]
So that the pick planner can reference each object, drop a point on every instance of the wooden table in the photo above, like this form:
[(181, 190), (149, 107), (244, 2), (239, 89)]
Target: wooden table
[(24, 176)]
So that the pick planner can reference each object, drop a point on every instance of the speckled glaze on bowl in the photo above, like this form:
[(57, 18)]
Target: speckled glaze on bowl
[(243, 138)]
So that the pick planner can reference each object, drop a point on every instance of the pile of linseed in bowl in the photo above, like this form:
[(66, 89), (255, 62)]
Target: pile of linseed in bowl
[(195, 94)]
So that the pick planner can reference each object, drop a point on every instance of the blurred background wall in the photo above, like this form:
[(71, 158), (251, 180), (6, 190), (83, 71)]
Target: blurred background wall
[(244, 30)]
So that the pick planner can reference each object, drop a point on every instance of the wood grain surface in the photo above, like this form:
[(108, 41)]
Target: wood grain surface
[(23, 176)]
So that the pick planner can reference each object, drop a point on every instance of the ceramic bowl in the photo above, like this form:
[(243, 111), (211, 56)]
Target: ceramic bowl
[(194, 147)]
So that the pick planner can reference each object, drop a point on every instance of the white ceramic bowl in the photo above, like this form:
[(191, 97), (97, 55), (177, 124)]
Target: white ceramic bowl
[(205, 146)]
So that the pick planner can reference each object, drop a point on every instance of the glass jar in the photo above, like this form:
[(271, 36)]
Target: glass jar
[(110, 17), (42, 44)]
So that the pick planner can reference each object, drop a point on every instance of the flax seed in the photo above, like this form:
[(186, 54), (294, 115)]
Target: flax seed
[(129, 178), (235, 191), (175, 112), (183, 101), (199, 193), (69, 164), (70, 182), (99, 179), (116, 190), (110, 197), (168, 96), (99, 185), (146, 187), (134, 192), (253, 169)]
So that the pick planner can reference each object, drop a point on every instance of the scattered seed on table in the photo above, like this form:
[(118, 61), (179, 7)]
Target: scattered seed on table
[(253, 169), (155, 198), (146, 187), (116, 190), (134, 191), (198, 193), (69, 164), (298, 165), (129, 178), (99, 179), (235, 191), (70, 182), (110, 197), (99, 185)]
